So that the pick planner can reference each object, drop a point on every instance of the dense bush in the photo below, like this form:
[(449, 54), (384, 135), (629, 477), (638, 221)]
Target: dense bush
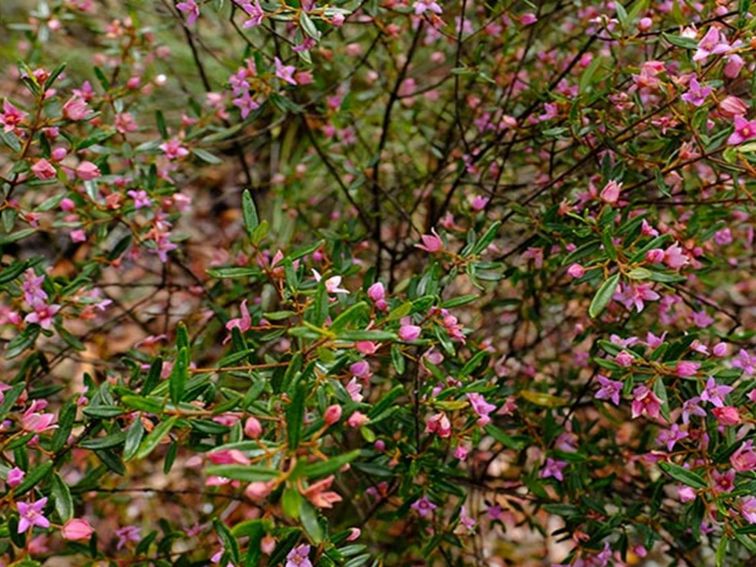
[(377, 283)]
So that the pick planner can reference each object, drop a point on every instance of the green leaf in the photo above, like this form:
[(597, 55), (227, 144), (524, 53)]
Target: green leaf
[(324, 468), (106, 442), (207, 157), (33, 478), (10, 398), (155, 437), (291, 502), (603, 296), (133, 439), (366, 336), (230, 545), (487, 238), (503, 438), (244, 473), (251, 220), (103, 411), (62, 496), (683, 475), (309, 517), (179, 375), (295, 415)]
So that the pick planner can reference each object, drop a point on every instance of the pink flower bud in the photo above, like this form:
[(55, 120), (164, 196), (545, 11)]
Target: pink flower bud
[(76, 529), (357, 419), (611, 192), (58, 153), (360, 369), (576, 271), (87, 171), (15, 477), (376, 292), (67, 205), (655, 256), (252, 428), (720, 349), (727, 415), (332, 414), (258, 490), (43, 169), (408, 331), (644, 24), (686, 494)]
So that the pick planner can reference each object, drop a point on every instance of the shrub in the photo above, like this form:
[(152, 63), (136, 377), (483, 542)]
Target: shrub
[(382, 283)]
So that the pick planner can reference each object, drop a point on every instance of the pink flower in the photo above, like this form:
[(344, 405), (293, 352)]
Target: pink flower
[(332, 284), (243, 323), (713, 43), (744, 131), (723, 482), (43, 170), (42, 315), (439, 424), (645, 402), (553, 469), (674, 257), (125, 123), (576, 271), (611, 192), (745, 361), (76, 108), (15, 477), (422, 6), (686, 368), (31, 515), (670, 437), (127, 534), (610, 390), (431, 243), (76, 529), (190, 9), (696, 94), (748, 509), (692, 407), (252, 428), (332, 414), (141, 198), (424, 507), (173, 149), (319, 494), (285, 72), (528, 19), (86, 171), (481, 407), (734, 65), (255, 13), (299, 557), (11, 117)]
